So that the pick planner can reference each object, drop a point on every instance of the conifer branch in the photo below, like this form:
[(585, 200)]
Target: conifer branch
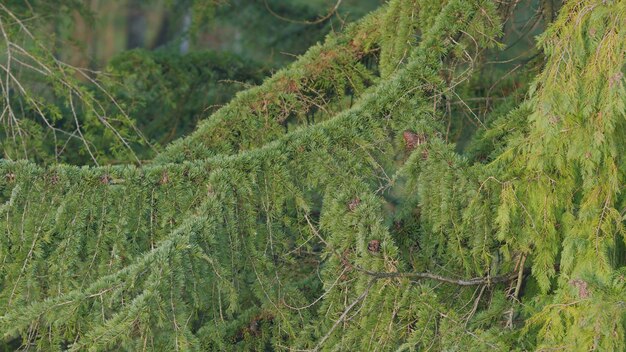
[(200, 249), (487, 280)]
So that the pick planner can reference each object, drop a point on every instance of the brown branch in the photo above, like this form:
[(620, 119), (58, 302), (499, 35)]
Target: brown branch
[(487, 280), (461, 282), (319, 20)]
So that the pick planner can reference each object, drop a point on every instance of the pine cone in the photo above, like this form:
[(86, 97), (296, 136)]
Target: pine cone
[(374, 246), (581, 285), (54, 179), (354, 203), (105, 180), (164, 178), (413, 140)]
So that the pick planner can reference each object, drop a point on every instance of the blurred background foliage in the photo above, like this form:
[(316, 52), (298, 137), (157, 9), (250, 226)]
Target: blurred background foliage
[(95, 81)]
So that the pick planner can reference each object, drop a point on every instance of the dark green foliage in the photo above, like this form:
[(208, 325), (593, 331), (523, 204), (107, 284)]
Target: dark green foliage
[(168, 93), (275, 31), (325, 80)]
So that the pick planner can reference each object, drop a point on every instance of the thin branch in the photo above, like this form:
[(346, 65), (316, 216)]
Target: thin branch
[(344, 314), (319, 20), (487, 280)]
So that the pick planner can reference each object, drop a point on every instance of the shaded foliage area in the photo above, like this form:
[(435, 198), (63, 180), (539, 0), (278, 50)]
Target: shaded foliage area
[(166, 97), (171, 93), (55, 107), (276, 31)]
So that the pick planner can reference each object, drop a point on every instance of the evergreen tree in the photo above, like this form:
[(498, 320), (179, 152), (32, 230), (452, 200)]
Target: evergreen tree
[(329, 208)]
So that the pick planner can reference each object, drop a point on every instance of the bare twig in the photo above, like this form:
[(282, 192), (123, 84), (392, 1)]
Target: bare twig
[(344, 314), (319, 20)]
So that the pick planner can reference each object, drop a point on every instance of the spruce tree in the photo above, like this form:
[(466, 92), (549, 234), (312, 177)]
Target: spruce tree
[(329, 208)]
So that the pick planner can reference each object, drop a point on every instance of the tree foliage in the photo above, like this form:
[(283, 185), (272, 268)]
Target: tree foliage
[(330, 209)]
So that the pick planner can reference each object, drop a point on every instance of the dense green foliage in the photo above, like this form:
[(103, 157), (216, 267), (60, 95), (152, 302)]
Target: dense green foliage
[(329, 208), (171, 92)]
